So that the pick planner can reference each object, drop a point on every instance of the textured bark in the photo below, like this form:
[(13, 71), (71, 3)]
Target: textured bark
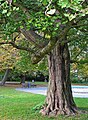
[(5, 77), (59, 95)]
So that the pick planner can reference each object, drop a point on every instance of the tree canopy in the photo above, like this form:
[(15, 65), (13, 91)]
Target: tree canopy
[(39, 21)]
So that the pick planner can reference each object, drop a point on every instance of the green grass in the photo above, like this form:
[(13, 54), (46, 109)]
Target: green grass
[(41, 83), (16, 105)]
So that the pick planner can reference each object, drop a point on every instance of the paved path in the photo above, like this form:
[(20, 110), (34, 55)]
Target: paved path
[(78, 91)]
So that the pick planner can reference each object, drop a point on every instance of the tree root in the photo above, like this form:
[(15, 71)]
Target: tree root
[(55, 112)]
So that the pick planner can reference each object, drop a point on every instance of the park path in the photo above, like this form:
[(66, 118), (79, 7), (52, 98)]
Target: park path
[(78, 91)]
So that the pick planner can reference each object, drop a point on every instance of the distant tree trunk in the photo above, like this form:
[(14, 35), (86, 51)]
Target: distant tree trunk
[(23, 78), (59, 95), (5, 77)]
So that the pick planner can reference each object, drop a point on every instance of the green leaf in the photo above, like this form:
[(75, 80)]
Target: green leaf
[(4, 11), (9, 13), (44, 2), (63, 3)]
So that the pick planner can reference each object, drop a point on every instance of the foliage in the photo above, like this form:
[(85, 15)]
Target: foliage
[(22, 14), (65, 11), (83, 71), (8, 57), (79, 73), (78, 52), (24, 64), (16, 75)]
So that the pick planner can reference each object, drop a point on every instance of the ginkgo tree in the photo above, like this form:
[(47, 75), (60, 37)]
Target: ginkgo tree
[(46, 25)]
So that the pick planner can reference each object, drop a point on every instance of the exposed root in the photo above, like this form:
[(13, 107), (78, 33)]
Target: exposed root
[(55, 112)]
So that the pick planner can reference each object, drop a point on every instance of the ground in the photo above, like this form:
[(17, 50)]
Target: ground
[(16, 105)]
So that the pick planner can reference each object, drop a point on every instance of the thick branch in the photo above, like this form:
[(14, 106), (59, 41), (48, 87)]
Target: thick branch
[(17, 46), (36, 58), (32, 37)]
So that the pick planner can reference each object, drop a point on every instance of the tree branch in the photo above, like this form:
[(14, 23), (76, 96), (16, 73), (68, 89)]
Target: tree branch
[(18, 47), (79, 25), (32, 37)]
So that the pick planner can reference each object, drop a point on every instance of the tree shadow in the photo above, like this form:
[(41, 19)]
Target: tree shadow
[(83, 110)]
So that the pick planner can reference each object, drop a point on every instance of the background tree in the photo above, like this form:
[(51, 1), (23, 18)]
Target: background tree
[(45, 25), (28, 70), (78, 52), (8, 59)]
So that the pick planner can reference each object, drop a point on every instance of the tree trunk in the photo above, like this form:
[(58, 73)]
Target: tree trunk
[(23, 78), (59, 95), (5, 77)]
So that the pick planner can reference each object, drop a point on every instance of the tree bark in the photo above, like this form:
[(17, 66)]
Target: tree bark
[(2, 83), (59, 95)]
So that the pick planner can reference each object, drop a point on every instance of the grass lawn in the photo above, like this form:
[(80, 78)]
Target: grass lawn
[(16, 105), (41, 83)]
